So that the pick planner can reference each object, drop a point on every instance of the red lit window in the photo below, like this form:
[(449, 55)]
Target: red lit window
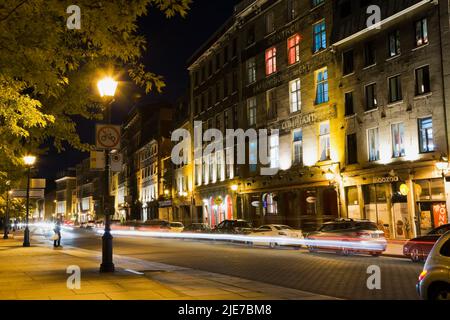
[(294, 49), (271, 61)]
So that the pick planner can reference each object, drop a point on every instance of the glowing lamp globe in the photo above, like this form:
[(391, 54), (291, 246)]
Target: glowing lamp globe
[(29, 160), (107, 87)]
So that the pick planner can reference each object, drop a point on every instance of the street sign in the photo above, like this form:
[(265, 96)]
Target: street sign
[(37, 183), (116, 162), (97, 160), (34, 193), (107, 136)]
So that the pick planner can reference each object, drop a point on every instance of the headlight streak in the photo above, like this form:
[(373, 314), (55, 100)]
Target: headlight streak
[(375, 245)]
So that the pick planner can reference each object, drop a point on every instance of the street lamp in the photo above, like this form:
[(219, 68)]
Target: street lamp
[(107, 89), (329, 175), (442, 165), (29, 162), (6, 230)]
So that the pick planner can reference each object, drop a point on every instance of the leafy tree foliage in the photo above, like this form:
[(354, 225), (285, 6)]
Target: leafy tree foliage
[(48, 72)]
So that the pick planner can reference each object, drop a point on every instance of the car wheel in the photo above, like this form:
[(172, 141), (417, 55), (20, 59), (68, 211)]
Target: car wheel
[(415, 254), (439, 292), (345, 251), (312, 249), (375, 254), (272, 245)]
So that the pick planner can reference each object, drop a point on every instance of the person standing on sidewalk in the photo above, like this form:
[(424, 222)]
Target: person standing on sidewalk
[(57, 238)]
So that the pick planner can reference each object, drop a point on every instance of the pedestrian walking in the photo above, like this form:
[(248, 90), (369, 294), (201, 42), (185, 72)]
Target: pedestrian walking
[(57, 236)]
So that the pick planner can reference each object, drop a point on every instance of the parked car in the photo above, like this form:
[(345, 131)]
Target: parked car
[(418, 248), (155, 226), (434, 281), (197, 228), (348, 236), (282, 232), (234, 227), (176, 227)]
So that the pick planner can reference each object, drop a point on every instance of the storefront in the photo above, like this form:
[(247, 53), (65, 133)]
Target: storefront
[(217, 209), (302, 208)]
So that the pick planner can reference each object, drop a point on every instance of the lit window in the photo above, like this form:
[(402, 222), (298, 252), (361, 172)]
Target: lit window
[(421, 32), (294, 49), (398, 140), (251, 111), (322, 86), (394, 43), (324, 141), (295, 95), (271, 61), (320, 36), (298, 147), (253, 156), (426, 140), (374, 144)]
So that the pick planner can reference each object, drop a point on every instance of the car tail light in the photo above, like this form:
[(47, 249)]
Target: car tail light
[(422, 275)]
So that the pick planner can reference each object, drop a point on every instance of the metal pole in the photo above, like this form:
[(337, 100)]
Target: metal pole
[(5, 234), (26, 235), (107, 239)]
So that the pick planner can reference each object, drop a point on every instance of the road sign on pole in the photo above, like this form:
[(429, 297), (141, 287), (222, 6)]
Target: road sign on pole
[(34, 193), (107, 137)]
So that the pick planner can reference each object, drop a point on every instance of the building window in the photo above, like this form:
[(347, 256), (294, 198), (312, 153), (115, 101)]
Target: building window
[(395, 89), (272, 104), (374, 144), (225, 54), (251, 70), (352, 149), (371, 97), (422, 80), (297, 154), (251, 36), (324, 141), (251, 111), (271, 61), (295, 95), (294, 49), (315, 3), (369, 54), (218, 62), (322, 86), (349, 109), (394, 43), (319, 36), (292, 9), (274, 151), (421, 32), (398, 140), (348, 64), (270, 22), (426, 141)]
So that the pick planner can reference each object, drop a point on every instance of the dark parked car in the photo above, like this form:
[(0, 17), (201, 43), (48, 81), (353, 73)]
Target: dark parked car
[(234, 227), (419, 248), (197, 228), (348, 236)]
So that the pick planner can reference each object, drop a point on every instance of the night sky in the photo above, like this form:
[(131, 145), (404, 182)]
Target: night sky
[(171, 42)]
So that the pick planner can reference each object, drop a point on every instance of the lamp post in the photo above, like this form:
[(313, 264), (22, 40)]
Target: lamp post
[(107, 89), (29, 162), (6, 231)]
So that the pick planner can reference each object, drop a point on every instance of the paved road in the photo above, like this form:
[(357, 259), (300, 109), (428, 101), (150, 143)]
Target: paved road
[(322, 273)]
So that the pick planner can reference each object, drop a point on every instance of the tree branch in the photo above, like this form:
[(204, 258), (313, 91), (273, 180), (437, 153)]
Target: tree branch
[(13, 10)]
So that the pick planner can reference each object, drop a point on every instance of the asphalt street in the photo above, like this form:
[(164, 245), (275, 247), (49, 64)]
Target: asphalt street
[(322, 273)]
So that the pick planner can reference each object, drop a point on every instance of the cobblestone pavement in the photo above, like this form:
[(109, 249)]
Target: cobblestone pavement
[(321, 273)]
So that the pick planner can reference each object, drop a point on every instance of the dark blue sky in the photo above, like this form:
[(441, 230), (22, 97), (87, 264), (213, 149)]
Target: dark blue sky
[(171, 42)]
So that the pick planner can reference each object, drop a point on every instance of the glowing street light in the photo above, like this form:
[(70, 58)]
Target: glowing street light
[(442, 165), (234, 187), (29, 161), (329, 175), (107, 87)]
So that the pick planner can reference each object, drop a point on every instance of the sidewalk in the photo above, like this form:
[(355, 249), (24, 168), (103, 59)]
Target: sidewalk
[(39, 273)]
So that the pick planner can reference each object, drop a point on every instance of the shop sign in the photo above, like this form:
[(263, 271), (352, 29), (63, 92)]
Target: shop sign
[(440, 215), (165, 204), (378, 180), (311, 199), (218, 201), (255, 204)]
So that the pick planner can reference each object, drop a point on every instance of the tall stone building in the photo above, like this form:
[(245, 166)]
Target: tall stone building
[(361, 112)]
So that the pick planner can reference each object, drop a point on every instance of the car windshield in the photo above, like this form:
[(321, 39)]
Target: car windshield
[(176, 225), (243, 224), (367, 226), (283, 227)]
